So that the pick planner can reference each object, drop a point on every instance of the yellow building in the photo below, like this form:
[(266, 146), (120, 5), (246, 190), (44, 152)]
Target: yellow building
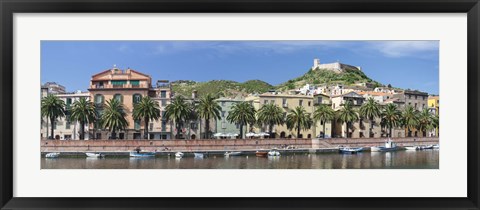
[(434, 106), (128, 86)]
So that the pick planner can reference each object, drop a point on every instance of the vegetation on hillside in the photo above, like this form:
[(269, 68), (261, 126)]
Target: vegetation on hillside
[(219, 88), (324, 76)]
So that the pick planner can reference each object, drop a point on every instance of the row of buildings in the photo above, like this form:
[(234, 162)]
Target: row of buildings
[(129, 86)]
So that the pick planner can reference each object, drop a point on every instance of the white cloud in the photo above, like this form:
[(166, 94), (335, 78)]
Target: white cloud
[(404, 48)]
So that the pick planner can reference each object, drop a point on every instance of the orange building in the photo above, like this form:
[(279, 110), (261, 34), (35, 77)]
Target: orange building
[(129, 87)]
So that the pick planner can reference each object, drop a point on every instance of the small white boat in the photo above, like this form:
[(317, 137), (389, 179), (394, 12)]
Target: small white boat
[(389, 146), (199, 155), (52, 155), (233, 154), (273, 152), (436, 146), (179, 154), (350, 150), (142, 154), (95, 155), (412, 148)]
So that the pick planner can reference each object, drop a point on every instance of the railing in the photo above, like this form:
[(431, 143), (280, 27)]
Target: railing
[(106, 86)]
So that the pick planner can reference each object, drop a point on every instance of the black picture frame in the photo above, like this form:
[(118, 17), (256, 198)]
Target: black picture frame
[(10, 7)]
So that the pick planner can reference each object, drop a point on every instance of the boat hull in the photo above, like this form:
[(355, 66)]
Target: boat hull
[(147, 154), (52, 155), (261, 154), (233, 153), (350, 150)]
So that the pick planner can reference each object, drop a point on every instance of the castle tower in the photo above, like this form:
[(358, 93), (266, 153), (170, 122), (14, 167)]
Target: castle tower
[(316, 63)]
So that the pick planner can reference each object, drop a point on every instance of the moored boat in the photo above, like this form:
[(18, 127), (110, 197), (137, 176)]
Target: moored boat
[(52, 155), (233, 154), (142, 154), (436, 146), (261, 154), (273, 152), (200, 155), (350, 150), (179, 154), (389, 146), (412, 148), (95, 155), (426, 147)]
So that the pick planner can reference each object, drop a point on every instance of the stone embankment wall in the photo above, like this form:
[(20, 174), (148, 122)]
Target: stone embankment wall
[(216, 144)]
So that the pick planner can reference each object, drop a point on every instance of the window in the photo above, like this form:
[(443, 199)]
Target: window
[(237, 125), (409, 96), (309, 103), (135, 83), (118, 97), (300, 102), (415, 97), (137, 98), (99, 99), (164, 102), (319, 100), (164, 125), (223, 103), (415, 105), (119, 83), (223, 113), (284, 101), (151, 127), (423, 106), (272, 101), (423, 97), (163, 94), (137, 125), (265, 102), (224, 125), (67, 124), (68, 103)]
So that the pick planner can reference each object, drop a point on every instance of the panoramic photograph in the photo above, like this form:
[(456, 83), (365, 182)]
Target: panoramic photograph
[(300, 104)]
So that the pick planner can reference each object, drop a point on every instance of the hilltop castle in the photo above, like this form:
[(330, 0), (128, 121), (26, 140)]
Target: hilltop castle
[(336, 67)]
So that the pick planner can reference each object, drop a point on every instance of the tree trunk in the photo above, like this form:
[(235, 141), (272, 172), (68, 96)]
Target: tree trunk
[(390, 133), (371, 129), (207, 127), (178, 130), (270, 130), (298, 130), (241, 130), (346, 125), (82, 131), (52, 121), (323, 129), (145, 132)]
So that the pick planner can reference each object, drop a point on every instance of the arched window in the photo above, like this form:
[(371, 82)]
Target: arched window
[(137, 98), (98, 99), (118, 97)]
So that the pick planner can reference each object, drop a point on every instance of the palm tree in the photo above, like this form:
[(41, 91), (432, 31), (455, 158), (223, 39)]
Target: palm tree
[(179, 111), (208, 109), (243, 114), (324, 113), (391, 117), (370, 110), (425, 121), (113, 117), (347, 115), (147, 109), (52, 107), (299, 119), (84, 112), (270, 114), (410, 118)]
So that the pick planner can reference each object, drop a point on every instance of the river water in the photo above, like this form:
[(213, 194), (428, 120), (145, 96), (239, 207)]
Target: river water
[(425, 159)]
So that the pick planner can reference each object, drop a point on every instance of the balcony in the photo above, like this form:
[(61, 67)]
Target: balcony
[(109, 86)]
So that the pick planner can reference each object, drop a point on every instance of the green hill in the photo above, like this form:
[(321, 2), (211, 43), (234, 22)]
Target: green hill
[(226, 88), (324, 76)]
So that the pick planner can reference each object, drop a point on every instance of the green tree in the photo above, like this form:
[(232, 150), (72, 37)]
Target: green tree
[(84, 112), (180, 111), (208, 109), (243, 114), (347, 115), (391, 117), (113, 117), (324, 113), (270, 114), (426, 121), (147, 109), (370, 110), (299, 119), (52, 108), (410, 119)]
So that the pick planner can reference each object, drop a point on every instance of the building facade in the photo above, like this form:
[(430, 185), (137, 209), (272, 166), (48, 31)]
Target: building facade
[(129, 87), (223, 125)]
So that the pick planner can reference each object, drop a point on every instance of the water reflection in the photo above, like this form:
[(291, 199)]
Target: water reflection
[(428, 159)]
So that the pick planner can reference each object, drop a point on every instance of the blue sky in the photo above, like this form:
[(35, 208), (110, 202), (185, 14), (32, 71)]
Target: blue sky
[(404, 64)]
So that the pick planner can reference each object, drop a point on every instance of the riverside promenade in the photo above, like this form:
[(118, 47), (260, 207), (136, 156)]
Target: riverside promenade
[(222, 145)]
